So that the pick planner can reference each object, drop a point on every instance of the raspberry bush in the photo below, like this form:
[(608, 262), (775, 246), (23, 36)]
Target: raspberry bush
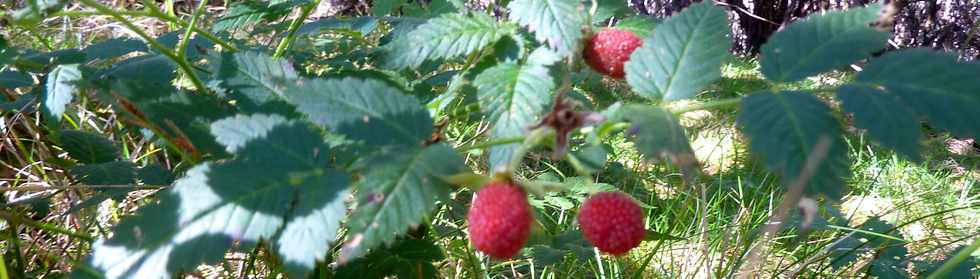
[(333, 147)]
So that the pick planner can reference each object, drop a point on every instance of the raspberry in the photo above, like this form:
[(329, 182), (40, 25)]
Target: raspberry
[(612, 222), (500, 220), (607, 51)]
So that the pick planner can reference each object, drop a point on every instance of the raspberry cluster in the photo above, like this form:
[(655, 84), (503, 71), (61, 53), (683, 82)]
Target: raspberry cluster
[(608, 51), (500, 220)]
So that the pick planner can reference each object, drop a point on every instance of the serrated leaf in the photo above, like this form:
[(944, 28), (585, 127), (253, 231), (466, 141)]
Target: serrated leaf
[(113, 48), (407, 258), (384, 7), (556, 23), (42, 62), (641, 25), (659, 135), (447, 36), (512, 96), (853, 246), (820, 43), (360, 25), (15, 79), (23, 103), (363, 109), (87, 147), (683, 55), (60, 89), (246, 199), (146, 68), (248, 13), (109, 173), (607, 9), (398, 189), (254, 80), (933, 85), (784, 128), (886, 118), (155, 175)]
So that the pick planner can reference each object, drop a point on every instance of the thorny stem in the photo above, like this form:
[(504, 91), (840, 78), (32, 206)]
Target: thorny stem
[(169, 53), (304, 13)]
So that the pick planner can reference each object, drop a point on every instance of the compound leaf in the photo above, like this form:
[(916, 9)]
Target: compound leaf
[(398, 189), (113, 48), (784, 128), (683, 55), (557, 23), (821, 43)]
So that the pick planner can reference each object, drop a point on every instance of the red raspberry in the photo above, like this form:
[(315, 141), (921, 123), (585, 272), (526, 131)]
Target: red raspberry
[(608, 51), (500, 220), (612, 221)]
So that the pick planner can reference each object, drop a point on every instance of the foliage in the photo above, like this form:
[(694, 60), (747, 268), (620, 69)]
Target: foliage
[(309, 160)]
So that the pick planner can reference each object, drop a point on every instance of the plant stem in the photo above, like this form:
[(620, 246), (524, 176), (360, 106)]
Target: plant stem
[(304, 13), (723, 103), (14, 218), (492, 143), (169, 53), (182, 46), (955, 260)]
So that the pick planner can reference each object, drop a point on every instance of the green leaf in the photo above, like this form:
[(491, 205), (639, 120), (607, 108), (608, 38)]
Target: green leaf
[(60, 89), (113, 48), (35, 11), (109, 173), (820, 43), (933, 85), (384, 7), (853, 246), (197, 47), (640, 25), (447, 36), (278, 185), (359, 25), (607, 9), (683, 55), (885, 116), (557, 23), (398, 189), (24, 103), (248, 13), (367, 110), (255, 81), (42, 62), (407, 258), (87, 147), (15, 79), (784, 128), (155, 175), (659, 135), (512, 96), (146, 68)]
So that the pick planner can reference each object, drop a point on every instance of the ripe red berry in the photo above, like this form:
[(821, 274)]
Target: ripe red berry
[(612, 222), (608, 51), (500, 220)]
